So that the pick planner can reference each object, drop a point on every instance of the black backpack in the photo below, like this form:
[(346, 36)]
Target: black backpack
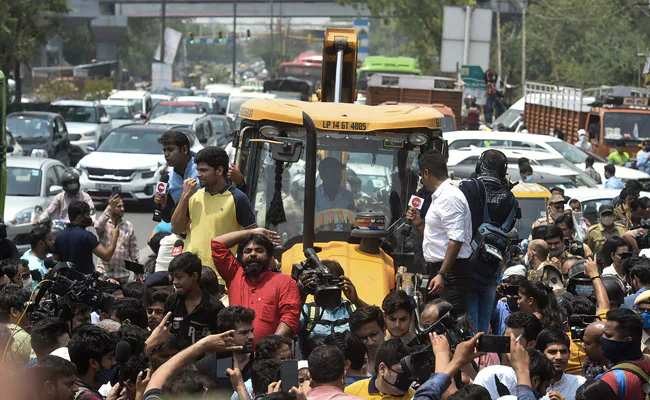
[(490, 242)]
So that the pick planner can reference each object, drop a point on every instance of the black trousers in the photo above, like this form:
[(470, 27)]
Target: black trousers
[(457, 284)]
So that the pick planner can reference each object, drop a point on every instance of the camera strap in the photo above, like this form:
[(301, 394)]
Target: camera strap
[(314, 317)]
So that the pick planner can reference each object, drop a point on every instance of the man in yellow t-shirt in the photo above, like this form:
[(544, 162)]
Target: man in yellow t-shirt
[(217, 208), (390, 382)]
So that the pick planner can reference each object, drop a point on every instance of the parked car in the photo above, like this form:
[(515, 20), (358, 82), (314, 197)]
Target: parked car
[(223, 128), (211, 104), (140, 99), (199, 124), (545, 179), (87, 121), (236, 99), (157, 98), (540, 161), (32, 184), (13, 147), (42, 134), (592, 199), (221, 92), (538, 143), (122, 112), (176, 107), (131, 159)]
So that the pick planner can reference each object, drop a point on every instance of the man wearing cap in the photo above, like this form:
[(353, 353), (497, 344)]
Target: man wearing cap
[(598, 234), (583, 142), (642, 304), (555, 210), (330, 194)]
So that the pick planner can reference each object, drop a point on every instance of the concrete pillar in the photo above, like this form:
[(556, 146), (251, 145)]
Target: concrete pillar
[(106, 51), (107, 30)]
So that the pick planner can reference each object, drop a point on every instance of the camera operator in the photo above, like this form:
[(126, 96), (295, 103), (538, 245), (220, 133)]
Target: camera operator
[(390, 381), (642, 304), (639, 280), (327, 370), (316, 321), (595, 361), (433, 311), (490, 192), (508, 293), (572, 245)]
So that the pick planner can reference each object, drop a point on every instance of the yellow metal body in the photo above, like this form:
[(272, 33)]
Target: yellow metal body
[(530, 191), (346, 40), (372, 274), (341, 116)]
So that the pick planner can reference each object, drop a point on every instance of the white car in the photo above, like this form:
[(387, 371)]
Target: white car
[(592, 199), (211, 104), (130, 159), (32, 184), (512, 119), (140, 99), (157, 98), (538, 143), (200, 125), (540, 161), (221, 92), (238, 98), (87, 121), (122, 112)]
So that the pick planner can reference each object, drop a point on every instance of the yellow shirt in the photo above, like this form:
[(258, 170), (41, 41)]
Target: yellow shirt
[(577, 354), (212, 215), (366, 389)]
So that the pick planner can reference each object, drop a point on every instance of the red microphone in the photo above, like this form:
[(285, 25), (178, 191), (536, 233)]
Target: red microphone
[(178, 247)]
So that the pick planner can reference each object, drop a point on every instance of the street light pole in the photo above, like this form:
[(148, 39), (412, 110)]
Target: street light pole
[(162, 32), (270, 67), (234, 43), (524, 6)]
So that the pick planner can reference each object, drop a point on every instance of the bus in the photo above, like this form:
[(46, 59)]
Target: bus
[(394, 65)]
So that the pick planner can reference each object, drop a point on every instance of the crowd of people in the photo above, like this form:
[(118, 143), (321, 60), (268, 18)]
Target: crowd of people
[(564, 314)]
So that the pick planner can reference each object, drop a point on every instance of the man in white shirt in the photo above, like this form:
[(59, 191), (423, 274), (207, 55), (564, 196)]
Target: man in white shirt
[(583, 142), (447, 229), (555, 344)]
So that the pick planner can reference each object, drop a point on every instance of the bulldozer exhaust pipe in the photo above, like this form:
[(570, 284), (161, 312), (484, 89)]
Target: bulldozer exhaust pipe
[(339, 76), (310, 182)]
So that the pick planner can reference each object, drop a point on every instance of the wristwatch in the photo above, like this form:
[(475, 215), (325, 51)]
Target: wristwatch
[(443, 274)]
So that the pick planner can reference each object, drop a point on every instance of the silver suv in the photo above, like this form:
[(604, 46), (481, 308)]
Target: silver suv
[(87, 121)]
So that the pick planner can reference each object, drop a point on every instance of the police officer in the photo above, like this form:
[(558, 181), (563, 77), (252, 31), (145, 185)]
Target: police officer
[(555, 211), (58, 208), (598, 234)]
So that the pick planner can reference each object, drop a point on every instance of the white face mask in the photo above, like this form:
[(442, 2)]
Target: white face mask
[(527, 260), (607, 221), (27, 284)]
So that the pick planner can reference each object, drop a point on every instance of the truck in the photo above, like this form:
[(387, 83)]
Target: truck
[(393, 65), (429, 90), (608, 114)]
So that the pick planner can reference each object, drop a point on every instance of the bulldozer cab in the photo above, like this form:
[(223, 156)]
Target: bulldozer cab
[(328, 164)]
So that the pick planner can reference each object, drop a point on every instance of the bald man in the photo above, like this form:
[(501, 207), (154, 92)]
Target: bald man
[(433, 311), (595, 362), (567, 265), (536, 254)]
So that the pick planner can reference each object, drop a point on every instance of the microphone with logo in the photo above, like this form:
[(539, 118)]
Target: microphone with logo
[(415, 202), (122, 355), (161, 188), (178, 247)]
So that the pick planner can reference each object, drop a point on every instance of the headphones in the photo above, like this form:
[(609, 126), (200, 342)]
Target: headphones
[(502, 172)]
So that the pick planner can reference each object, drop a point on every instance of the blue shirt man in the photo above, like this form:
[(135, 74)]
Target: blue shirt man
[(612, 182), (176, 150), (176, 180)]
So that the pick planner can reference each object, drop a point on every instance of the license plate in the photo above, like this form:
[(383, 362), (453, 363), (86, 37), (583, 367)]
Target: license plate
[(105, 186)]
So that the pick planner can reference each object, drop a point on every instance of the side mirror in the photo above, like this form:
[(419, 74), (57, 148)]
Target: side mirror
[(90, 148), (10, 149), (58, 135), (286, 149), (104, 120), (54, 190)]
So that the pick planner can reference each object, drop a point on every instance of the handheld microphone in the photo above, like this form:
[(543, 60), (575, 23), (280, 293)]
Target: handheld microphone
[(415, 202), (161, 188), (178, 247), (122, 355)]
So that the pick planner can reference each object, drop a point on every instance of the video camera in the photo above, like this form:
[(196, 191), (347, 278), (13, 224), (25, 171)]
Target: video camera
[(66, 286), (326, 286), (574, 247), (420, 362), (578, 323), (643, 240)]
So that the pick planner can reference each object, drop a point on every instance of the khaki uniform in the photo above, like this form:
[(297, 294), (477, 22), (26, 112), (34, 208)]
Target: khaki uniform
[(597, 235), (620, 215), (543, 221), (549, 274)]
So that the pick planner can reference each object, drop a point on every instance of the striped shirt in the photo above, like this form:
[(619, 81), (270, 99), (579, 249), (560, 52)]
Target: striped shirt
[(126, 248)]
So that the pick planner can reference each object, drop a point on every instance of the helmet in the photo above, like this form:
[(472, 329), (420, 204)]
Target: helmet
[(615, 289), (70, 182)]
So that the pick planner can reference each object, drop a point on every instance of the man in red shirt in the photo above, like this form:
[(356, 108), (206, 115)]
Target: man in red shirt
[(473, 115), (273, 296), (621, 344)]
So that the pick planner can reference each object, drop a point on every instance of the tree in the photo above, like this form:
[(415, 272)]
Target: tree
[(25, 26)]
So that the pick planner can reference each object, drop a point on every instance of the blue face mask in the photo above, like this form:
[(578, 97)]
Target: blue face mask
[(584, 290), (646, 320), (528, 178), (104, 376)]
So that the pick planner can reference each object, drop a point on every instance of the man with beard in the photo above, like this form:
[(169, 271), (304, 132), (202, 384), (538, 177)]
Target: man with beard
[(194, 311), (42, 243), (127, 243), (54, 378), (240, 320), (76, 245), (274, 297)]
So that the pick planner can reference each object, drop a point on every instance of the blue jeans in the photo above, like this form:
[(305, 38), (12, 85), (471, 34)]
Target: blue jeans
[(490, 104), (480, 303)]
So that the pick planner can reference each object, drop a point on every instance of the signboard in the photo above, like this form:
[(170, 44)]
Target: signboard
[(635, 101), (475, 85), (454, 29), (161, 75), (172, 39)]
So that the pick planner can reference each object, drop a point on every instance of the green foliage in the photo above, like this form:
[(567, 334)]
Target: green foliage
[(58, 89), (215, 74), (97, 89), (78, 44)]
